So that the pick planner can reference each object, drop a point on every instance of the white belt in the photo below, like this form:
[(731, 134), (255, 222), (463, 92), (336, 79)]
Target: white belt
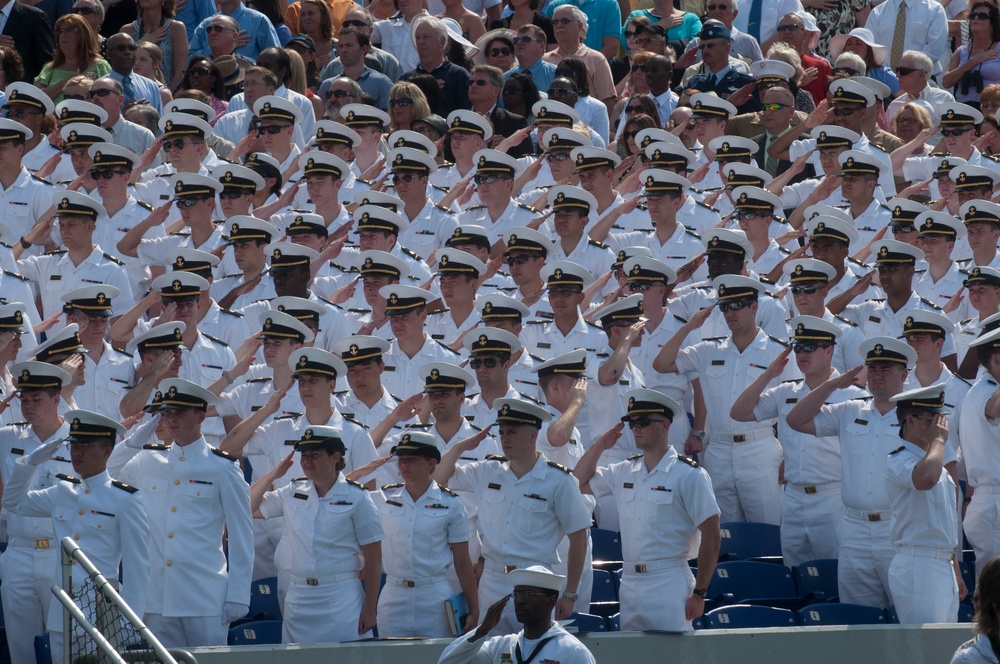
[(417, 583), (507, 568), (986, 490), (29, 543), (748, 436), (323, 580), (654, 566), (922, 552), (868, 516), (816, 488)]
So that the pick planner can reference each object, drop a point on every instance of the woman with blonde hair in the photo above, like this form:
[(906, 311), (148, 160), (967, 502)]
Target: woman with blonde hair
[(156, 25), (148, 58), (803, 99), (76, 52), (406, 104), (297, 81)]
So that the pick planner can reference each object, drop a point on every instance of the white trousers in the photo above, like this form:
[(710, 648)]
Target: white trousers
[(982, 527), (188, 632), (418, 611), (745, 479), (866, 552), (27, 575), (809, 523), (924, 589), (656, 600)]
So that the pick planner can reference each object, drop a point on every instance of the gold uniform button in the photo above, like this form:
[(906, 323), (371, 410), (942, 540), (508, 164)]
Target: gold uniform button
[(173, 509), (170, 563), (86, 490), (180, 458), (76, 537), (176, 482), (170, 535), (81, 512)]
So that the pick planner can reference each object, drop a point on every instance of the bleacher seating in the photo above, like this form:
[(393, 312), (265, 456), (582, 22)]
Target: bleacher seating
[(585, 622), (604, 599), (736, 581), (830, 613), (744, 541), (816, 579), (258, 632), (43, 652), (607, 549), (264, 600), (742, 616)]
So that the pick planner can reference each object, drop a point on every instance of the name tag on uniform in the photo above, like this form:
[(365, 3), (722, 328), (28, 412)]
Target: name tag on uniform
[(435, 506), (861, 422), (393, 503), (388, 367), (301, 496), (718, 363), (16, 450), (119, 380), (56, 277), (545, 345), (493, 485), (792, 400), (200, 482), (628, 485), (623, 381), (341, 502), (875, 319), (437, 337)]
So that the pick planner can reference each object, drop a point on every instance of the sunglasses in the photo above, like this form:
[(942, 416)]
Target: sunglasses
[(845, 112), (339, 94), (557, 156), (488, 362), (774, 106), (217, 28), (405, 177), (489, 179), (100, 93), (746, 215), (518, 260), (21, 112), (71, 30), (553, 92), (901, 229), (233, 195), (527, 594), (630, 34), (84, 11), (512, 90), (630, 134), (807, 348), (844, 70), (105, 173), (642, 422), (734, 306), (906, 71), (808, 290), (177, 144), (789, 28), (354, 22), (562, 293), (402, 101), (272, 129), (563, 21), (717, 8), (189, 202), (642, 68), (635, 108), (980, 16), (480, 82), (640, 287), (502, 50), (524, 39), (955, 132), (200, 71), (126, 47)]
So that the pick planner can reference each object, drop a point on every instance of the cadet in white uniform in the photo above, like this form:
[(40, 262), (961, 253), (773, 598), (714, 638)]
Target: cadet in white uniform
[(331, 525), (193, 494), (23, 197), (430, 225), (922, 576), (111, 527), (498, 211), (426, 534), (667, 511)]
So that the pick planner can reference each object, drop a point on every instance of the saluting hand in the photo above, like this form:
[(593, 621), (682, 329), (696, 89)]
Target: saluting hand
[(492, 619)]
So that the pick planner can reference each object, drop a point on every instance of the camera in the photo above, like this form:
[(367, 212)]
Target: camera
[(971, 79)]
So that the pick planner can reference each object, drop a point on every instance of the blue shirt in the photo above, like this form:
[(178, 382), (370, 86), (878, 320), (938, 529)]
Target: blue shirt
[(542, 73), (262, 33), (143, 88), (193, 13), (604, 19)]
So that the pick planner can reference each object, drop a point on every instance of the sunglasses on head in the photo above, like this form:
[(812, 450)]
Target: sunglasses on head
[(734, 306), (518, 260), (271, 129), (105, 173), (501, 50), (807, 348), (642, 422), (402, 101), (488, 362)]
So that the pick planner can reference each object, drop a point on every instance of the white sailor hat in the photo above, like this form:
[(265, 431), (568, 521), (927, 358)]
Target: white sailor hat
[(980, 211), (406, 138), (83, 135), (299, 308), (854, 162), (710, 105), (272, 107), (85, 426), (106, 155), (501, 307), (536, 576), (445, 376), (657, 182), (894, 252), (39, 376), (360, 348), (560, 274), (73, 203), (198, 109), (373, 263), (288, 255), (12, 130), (756, 198), (736, 286), (183, 124), (812, 329), (832, 137), (738, 174), (165, 336), (12, 317), (401, 300), (732, 148), (190, 185), (469, 234), (192, 260), (667, 155), (316, 361), (572, 198), (327, 132), (954, 113), (904, 211), (846, 91), (92, 300), (22, 93), (551, 112), (520, 412), (416, 443), (456, 261), (234, 176), (946, 163), (588, 157), (643, 402), (929, 398), (971, 177), (649, 269), (626, 253), (408, 159), (491, 340), (887, 349), (180, 393), (727, 241), (765, 71), (379, 198), (469, 122), (321, 438), (986, 276), (363, 115), (921, 321), (179, 285), (243, 227), (808, 269), (939, 224), (77, 110), (989, 340), (828, 211), (564, 138), (651, 135), (627, 309), (378, 218), (879, 89), (573, 363), (279, 325), (63, 342), (490, 162), (523, 238), (317, 162), (824, 227)]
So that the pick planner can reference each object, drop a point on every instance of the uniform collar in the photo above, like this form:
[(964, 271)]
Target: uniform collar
[(97, 480)]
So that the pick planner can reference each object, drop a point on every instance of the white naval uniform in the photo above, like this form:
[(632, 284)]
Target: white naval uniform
[(556, 646), (924, 532), (23, 202), (332, 323), (354, 408), (594, 256), (742, 458), (110, 230), (107, 519), (874, 218), (940, 291), (203, 364), (982, 466), (54, 274), (885, 179), (27, 567), (324, 536), (677, 386), (34, 159), (108, 381), (812, 506), (416, 556), (522, 520), (544, 338), (660, 511), (429, 229), (443, 328), (771, 313), (153, 187), (402, 373), (154, 250), (514, 216), (955, 389), (877, 319), (193, 494), (863, 535), (682, 245)]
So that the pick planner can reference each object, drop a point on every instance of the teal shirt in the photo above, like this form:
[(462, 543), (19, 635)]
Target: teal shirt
[(688, 29)]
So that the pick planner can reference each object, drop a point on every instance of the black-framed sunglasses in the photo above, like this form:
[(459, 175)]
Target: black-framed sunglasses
[(518, 260), (642, 68), (233, 194), (84, 11), (527, 594), (845, 112), (734, 306), (639, 286), (642, 422), (216, 28), (481, 82), (100, 93), (189, 202), (273, 130), (355, 23), (105, 173), (955, 132), (807, 348), (790, 28), (488, 362), (845, 70), (339, 94), (557, 156), (403, 177), (808, 290), (402, 101), (980, 16), (176, 144), (18, 113), (524, 39), (906, 71), (501, 50), (489, 179), (902, 229), (559, 92), (746, 215), (199, 71)]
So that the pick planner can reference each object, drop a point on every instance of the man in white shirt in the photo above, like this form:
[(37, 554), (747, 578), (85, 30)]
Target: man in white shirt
[(926, 29), (914, 74)]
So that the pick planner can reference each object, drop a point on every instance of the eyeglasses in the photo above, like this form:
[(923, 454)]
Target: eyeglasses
[(177, 144), (955, 132), (630, 134), (906, 71), (402, 101), (980, 16), (501, 50), (559, 92), (272, 129), (71, 30), (640, 287), (339, 94), (557, 156), (354, 22), (808, 290), (489, 179), (518, 260), (789, 28), (524, 39), (807, 348), (189, 202), (404, 177), (563, 21), (100, 93), (642, 422), (84, 11), (526, 594), (774, 106), (105, 173), (903, 229), (79, 445), (562, 293), (126, 47), (20, 112), (481, 82), (845, 112), (642, 68), (845, 70), (217, 28), (734, 306), (233, 195), (630, 34), (746, 215), (512, 90), (488, 362), (905, 121)]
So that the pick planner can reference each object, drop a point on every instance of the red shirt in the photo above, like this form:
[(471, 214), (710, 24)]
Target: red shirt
[(819, 86)]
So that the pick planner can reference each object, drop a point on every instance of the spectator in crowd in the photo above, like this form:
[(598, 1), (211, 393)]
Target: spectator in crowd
[(93, 13), (468, 20), (27, 30), (137, 88), (11, 71), (406, 104), (431, 38), (148, 61), (203, 74), (520, 95), (860, 41), (986, 623), (338, 10), (109, 95), (395, 33), (254, 27), (916, 25), (603, 16), (571, 26), (76, 52), (315, 21), (156, 25), (279, 63), (523, 14), (353, 48), (272, 11), (379, 60), (496, 48), (529, 47)]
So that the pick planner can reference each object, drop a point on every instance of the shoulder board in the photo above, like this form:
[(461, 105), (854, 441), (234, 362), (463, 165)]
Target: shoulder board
[(225, 455), (440, 188), (897, 450), (123, 486), (411, 254), (965, 322), (475, 427), (145, 206), (856, 262), (536, 322), (359, 311), (113, 259), (55, 252), (215, 339), (231, 312), (180, 234), (876, 299), (477, 207), (444, 209), (496, 457), (678, 318), (445, 347), (780, 220), (594, 325), (265, 379), (357, 484), (880, 147), (992, 157), (398, 399), (342, 393), (15, 275), (300, 479), (634, 457), (392, 486), (794, 380), (595, 243), (603, 355), (536, 358), (68, 478), (862, 398), (689, 461), (691, 233), (845, 320), (777, 340), (42, 180), (438, 313), (529, 398), (705, 205), (720, 338), (782, 250), (164, 175), (561, 467), (449, 492), (159, 447), (930, 304), (969, 383), (524, 207), (765, 280), (354, 421), (120, 351)]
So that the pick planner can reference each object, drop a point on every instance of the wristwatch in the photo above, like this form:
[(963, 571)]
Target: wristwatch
[(700, 592), (700, 434), (571, 596)]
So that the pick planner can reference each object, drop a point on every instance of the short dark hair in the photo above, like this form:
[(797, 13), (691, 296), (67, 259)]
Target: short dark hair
[(363, 37)]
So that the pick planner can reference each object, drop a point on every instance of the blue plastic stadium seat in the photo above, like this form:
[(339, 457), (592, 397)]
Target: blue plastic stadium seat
[(264, 600), (585, 622), (965, 613), (43, 652), (259, 632), (741, 616), (741, 580), (816, 579), (615, 622), (829, 613), (969, 576), (607, 546), (743, 541), (604, 599)]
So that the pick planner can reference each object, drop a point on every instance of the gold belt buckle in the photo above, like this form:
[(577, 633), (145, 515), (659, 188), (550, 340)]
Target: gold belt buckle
[(640, 569), (312, 581), (407, 583), (739, 438), (874, 516), (41, 544), (810, 488), (509, 568)]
